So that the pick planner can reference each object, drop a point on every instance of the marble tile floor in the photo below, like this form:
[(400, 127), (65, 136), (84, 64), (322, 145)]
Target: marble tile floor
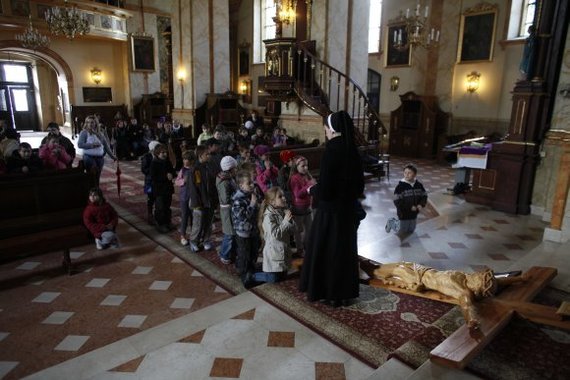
[(245, 337)]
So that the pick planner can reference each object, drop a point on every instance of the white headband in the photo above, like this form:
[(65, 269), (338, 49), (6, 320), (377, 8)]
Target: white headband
[(329, 125)]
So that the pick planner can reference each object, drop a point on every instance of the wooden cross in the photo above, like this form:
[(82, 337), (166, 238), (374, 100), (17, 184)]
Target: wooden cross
[(495, 313)]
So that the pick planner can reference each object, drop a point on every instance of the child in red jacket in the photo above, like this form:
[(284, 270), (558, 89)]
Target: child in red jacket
[(101, 220), (300, 183)]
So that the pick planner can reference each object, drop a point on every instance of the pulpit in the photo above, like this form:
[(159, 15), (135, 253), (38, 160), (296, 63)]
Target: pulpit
[(220, 109)]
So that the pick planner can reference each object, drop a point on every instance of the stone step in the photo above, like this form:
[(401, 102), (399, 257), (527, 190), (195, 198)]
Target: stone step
[(393, 369)]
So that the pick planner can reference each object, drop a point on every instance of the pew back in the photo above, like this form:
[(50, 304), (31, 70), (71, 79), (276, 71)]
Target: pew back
[(40, 205)]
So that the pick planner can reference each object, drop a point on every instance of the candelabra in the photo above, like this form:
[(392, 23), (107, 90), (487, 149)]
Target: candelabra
[(32, 38), (286, 11), (417, 32), (67, 21)]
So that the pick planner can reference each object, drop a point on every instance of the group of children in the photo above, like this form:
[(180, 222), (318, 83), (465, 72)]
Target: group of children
[(254, 210), (260, 207), (56, 152)]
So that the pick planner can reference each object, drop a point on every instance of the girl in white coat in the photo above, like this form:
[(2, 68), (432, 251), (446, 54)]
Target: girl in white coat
[(276, 227)]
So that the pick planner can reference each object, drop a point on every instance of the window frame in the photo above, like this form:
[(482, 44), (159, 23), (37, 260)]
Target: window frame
[(261, 23), (379, 3)]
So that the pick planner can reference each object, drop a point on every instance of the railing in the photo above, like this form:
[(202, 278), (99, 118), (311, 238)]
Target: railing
[(323, 89)]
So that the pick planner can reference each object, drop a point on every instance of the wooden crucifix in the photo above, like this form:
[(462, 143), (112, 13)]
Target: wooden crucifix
[(494, 314)]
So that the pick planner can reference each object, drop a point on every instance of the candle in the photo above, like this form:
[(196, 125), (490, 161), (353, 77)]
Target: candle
[(408, 13), (395, 36), (418, 9), (432, 33), (437, 36), (427, 11), (400, 36)]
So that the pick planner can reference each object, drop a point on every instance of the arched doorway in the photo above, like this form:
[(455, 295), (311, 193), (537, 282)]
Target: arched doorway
[(35, 87)]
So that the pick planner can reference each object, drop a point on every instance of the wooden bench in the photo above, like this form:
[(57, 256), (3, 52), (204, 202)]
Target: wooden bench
[(315, 154), (43, 213)]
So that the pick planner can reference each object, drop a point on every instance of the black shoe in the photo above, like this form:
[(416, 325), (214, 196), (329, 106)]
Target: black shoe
[(162, 229), (248, 281)]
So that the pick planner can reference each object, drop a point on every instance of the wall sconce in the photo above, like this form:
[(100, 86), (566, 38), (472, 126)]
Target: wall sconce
[(181, 75), (96, 75), (244, 87), (473, 81), (394, 83)]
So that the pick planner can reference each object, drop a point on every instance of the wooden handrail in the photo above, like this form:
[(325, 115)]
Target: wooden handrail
[(314, 87)]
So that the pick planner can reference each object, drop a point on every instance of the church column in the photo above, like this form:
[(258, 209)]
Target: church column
[(558, 229)]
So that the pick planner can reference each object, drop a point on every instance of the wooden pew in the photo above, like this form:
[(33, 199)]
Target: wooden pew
[(43, 213), (314, 155)]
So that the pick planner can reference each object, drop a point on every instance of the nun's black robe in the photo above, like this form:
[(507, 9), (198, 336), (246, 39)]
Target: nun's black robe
[(330, 267)]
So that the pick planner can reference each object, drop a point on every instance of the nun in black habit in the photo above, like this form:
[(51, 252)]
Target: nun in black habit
[(330, 268)]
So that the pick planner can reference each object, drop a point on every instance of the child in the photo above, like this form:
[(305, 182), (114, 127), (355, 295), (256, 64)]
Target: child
[(243, 137), (200, 201), (286, 157), (206, 134), (276, 226), (244, 217), (266, 171), (101, 220), (24, 160), (301, 181), (162, 174), (244, 154), (226, 186), (146, 161), (260, 138), (409, 197), (251, 168), (182, 182), (278, 139), (53, 155)]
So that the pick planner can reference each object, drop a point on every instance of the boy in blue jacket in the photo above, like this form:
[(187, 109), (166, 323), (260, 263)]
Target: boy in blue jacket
[(245, 207)]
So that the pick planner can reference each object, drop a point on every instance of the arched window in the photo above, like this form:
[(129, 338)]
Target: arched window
[(263, 27), (374, 26)]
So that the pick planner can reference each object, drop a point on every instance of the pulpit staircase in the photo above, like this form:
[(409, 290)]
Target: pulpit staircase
[(294, 72)]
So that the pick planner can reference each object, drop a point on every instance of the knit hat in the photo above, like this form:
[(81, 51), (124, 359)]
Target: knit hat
[(286, 155), (249, 125), (298, 159), (260, 150), (228, 163), (152, 145)]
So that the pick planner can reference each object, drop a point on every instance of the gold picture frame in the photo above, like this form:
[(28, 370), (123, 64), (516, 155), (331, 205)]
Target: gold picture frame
[(395, 57), (477, 32), (142, 53)]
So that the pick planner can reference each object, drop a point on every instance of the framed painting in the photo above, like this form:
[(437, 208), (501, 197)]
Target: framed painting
[(477, 33), (142, 52), (243, 59), (20, 7), (97, 95), (396, 34)]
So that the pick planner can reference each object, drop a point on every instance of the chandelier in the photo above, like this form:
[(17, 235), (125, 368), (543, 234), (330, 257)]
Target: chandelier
[(32, 38), (417, 32), (67, 21), (286, 11)]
